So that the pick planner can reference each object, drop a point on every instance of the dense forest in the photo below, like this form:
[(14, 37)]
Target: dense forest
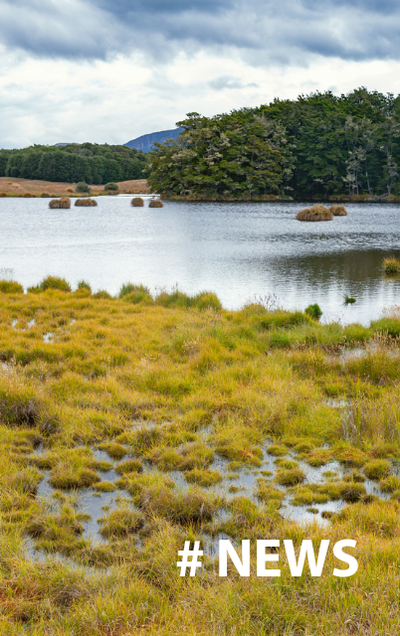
[(92, 163), (319, 145)]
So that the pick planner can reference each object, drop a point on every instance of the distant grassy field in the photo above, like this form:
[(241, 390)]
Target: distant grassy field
[(157, 417), (25, 187)]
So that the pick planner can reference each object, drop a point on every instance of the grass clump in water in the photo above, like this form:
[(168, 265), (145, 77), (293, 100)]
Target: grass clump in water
[(121, 523), (290, 477), (391, 265), (60, 204), (137, 202), (315, 213), (203, 477), (338, 210), (86, 203), (377, 469)]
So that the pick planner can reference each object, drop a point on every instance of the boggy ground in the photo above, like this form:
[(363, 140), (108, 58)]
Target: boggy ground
[(185, 421)]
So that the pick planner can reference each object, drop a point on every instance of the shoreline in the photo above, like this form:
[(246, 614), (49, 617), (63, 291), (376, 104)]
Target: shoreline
[(27, 188)]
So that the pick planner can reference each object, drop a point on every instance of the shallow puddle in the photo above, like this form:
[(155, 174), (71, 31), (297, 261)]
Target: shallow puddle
[(234, 483)]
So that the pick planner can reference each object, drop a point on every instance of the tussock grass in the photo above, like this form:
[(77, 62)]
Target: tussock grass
[(87, 203), (391, 265), (338, 210), (57, 204), (315, 213)]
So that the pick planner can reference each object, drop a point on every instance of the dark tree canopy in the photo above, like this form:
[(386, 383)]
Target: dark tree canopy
[(90, 163), (316, 146)]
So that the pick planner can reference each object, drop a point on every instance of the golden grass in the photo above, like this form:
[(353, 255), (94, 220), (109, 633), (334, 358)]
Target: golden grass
[(315, 213), (338, 210), (86, 202), (165, 389), (10, 186)]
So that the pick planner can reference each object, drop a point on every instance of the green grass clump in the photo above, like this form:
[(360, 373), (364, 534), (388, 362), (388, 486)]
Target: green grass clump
[(137, 202), (128, 288), (121, 523), (51, 282), (183, 508), (377, 469), (130, 466), (203, 477), (278, 450), (391, 265), (10, 287), (390, 484), (65, 477), (267, 493), (314, 311), (114, 449), (290, 477)]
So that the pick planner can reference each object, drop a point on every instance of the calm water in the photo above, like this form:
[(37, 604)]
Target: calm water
[(238, 250)]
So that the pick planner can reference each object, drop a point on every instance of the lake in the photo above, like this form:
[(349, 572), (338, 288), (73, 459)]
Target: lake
[(239, 250)]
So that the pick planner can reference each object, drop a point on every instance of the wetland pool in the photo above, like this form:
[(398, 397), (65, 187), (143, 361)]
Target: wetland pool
[(241, 251)]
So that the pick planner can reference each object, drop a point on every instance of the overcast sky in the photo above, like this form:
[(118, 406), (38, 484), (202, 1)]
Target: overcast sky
[(111, 70)]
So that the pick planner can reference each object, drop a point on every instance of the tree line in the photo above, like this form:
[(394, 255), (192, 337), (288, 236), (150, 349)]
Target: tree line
[(91, 163), (318, 145)]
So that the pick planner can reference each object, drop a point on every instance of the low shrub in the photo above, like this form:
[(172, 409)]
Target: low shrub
[(137, 202), (315, 213), (111, 186), (82, 187)]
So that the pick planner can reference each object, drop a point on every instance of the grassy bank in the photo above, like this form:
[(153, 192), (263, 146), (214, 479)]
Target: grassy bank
[(163, 410), (13, 187)]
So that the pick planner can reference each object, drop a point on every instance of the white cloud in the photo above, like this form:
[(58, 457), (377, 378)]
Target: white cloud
[(50, 101)]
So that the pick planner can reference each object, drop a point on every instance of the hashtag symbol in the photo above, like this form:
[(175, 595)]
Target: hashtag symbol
[(194, 554)]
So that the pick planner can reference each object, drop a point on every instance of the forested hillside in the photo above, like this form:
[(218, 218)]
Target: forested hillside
[(316, 146), (92, 163)]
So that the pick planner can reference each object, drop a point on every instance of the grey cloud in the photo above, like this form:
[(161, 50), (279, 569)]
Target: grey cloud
[(229, 82), (263, 31)]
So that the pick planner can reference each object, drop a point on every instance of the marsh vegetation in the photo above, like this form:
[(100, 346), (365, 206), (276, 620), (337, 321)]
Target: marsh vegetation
[(148, 420)]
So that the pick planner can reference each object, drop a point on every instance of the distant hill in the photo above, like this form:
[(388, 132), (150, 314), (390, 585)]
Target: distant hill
[(145, 142)]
